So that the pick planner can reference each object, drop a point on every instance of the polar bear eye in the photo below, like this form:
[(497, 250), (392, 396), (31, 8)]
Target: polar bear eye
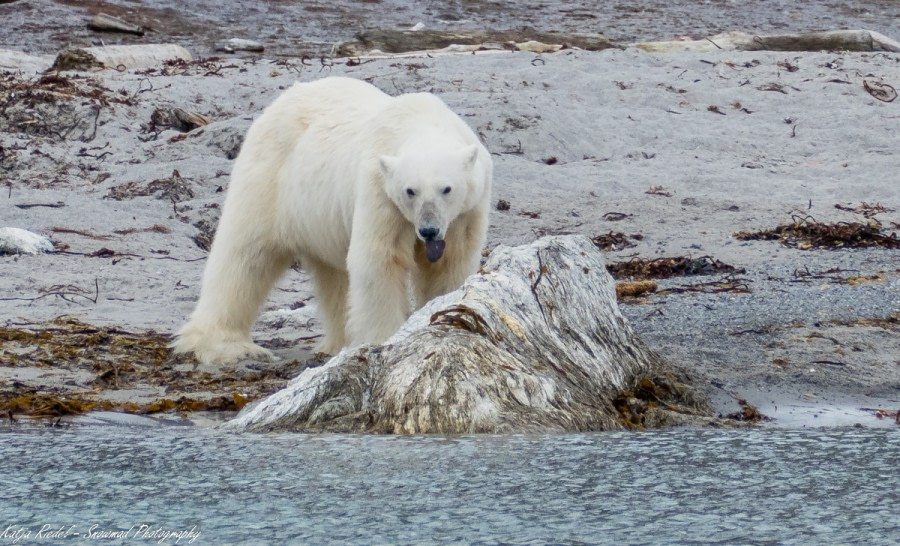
[(410, 192), (447, 190)]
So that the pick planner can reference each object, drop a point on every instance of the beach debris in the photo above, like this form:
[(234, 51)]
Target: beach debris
[(406, 41), (715, 109), (65, 292), (50, 405), (533, 214), (835, 40), (664, 268), (833, 275), (634, 289), (786, 65), (57, 205), (17, 61), (805, 233), (658, 190), (880, 90), (636, 407), (54, 105), (773, 87), (748, 413), (178, 119), (502, 205), (81, 232), (881, 413), (155, 228), (96, 359), (890, 322), (728, 283), (174, 188), (206, 232), (615, 240), (119, 57), (240, 44), (616, 216), (20, 241), (103, 22), (866, 209)]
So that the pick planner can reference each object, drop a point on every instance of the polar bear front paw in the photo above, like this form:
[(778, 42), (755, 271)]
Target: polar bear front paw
[(211, 350)]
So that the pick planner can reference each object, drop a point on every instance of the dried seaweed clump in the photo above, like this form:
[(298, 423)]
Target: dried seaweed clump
[(615, 240), (53, 105), (664, 268), (805, 233), (655, 400), (95, 361)]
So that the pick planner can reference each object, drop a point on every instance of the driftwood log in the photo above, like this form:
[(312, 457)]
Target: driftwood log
[(402, 41), (103, 22), (533, 342), (120, 57), (831, 40)]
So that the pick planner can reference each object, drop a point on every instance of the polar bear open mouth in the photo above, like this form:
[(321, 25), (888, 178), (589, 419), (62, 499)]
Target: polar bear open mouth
[(434, 250)]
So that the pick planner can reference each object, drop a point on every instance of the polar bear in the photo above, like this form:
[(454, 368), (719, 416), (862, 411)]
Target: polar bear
[(370, 193)]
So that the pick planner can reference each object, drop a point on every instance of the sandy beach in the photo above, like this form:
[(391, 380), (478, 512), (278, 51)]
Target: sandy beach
[(678, 152)]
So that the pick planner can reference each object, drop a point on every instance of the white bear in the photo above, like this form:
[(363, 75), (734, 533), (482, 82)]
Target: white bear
[(368, 192)]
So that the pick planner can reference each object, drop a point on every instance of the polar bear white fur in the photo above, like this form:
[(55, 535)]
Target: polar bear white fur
[(368, 192)]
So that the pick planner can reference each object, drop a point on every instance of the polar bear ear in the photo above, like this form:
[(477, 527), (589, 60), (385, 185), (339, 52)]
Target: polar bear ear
[(388, 165), (470, 153)]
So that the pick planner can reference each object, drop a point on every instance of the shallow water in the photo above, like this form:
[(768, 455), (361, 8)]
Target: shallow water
[(759, 486)]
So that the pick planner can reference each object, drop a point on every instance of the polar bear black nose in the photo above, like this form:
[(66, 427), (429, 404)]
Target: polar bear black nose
[(428, 233)]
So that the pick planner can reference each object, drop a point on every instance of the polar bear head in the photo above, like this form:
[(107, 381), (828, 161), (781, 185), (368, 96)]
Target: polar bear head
[(431, 186)]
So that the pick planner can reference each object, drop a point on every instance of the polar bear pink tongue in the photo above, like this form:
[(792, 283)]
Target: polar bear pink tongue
[(434, 250)]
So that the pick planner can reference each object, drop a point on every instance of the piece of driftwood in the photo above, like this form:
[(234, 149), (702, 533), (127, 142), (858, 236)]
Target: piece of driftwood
[(533, 342), (119, 57), (836, 40), (107, 23), (240, 44), (178, 119), (401, 41), (19, 61)]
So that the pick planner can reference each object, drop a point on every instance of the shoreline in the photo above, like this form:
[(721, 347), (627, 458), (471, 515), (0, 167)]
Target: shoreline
[(138, 200)]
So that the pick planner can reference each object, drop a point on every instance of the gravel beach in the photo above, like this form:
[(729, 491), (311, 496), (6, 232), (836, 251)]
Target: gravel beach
[(674, 152)]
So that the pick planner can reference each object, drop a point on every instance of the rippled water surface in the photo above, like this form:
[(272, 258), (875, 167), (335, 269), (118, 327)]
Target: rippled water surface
[(786, 486)]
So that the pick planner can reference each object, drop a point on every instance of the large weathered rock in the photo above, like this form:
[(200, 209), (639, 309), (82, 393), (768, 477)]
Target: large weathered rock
[(533, 342)]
